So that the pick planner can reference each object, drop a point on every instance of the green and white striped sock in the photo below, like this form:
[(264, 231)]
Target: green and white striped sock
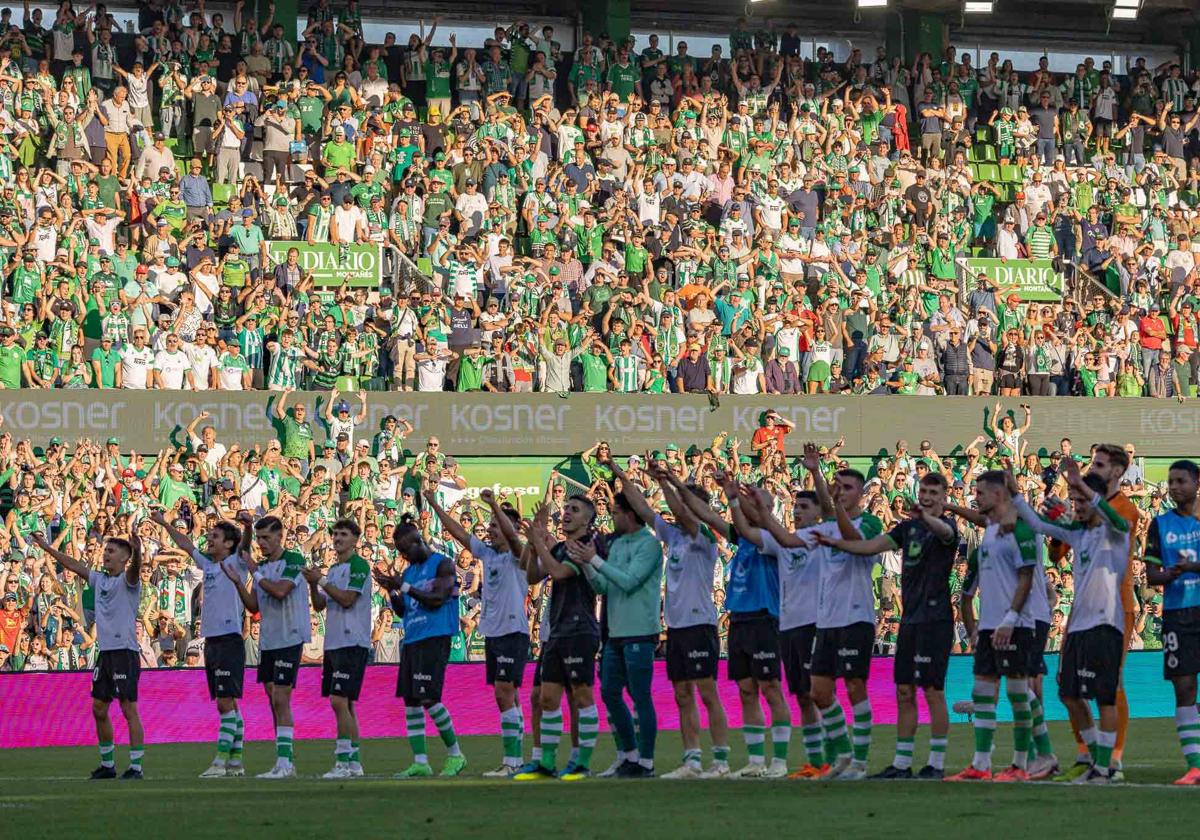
[(445, 727), (1187, 727), (754, 737), (235, 752), (904, 754), (814, 748), (862, 730), (355, 756), (692, 758), (937, 751), (283, 743), (833, 721), (1018, 698), (414, 719), (983, 695), (589, 731), (226, 735), (342, 750), (510, 735), (1105, 741), (552, 730), (781, 739), (107, 754), (1041, 735), (720, 753), (136, 753)]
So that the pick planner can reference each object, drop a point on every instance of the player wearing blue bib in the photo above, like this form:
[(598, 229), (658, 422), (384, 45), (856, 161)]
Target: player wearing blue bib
[(1172, 543)]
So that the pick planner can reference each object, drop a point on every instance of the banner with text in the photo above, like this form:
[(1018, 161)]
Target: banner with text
[(1034, 279), (506, 425), (332, 265)]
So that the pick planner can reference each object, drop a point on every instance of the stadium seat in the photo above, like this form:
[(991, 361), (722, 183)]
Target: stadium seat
[(983, 134), (989, 172), (983, 153), (1010, 173), (221, 193)]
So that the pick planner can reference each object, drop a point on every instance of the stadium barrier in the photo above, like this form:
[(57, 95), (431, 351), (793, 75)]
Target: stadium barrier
[(54, 709), (486, 424)]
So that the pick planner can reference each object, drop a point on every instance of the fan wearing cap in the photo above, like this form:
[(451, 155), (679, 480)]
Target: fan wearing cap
[(118, 591), (221, 626)]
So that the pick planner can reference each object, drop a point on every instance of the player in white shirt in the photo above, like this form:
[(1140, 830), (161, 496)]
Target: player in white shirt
[(693, 645), (1090, 663), (799, 591), (118, 589), (1008, 578), (504, 621), (280, 597), (344, 592), (221, 627)]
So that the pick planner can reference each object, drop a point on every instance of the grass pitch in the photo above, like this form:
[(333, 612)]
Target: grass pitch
[(43, 793)]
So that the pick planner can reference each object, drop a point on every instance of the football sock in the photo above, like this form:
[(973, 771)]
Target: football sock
[(692, 758), (355, 756), (107, 749), (862, 730), (1187, 726), (552, 729), (1104, 749), (904, 754), (781, 738), (833, 720), (510, 735), (136, 753), (235, 753), (1041, 735), (721, 754), (445, 727), (414, 719), (225, 737), (937, 751), (814, 748), (983, 695), (1019, 696), (754, 736), (342, 750), (589, 731), (283, 743), (1090, 741)]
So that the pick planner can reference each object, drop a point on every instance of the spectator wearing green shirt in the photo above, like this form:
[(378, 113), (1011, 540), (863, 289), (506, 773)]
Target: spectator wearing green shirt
[(296, 432), (105, 360), (250, 240)]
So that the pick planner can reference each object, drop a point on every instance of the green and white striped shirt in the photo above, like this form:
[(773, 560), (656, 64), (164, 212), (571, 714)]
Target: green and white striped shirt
[(285, 367), (627, 370)]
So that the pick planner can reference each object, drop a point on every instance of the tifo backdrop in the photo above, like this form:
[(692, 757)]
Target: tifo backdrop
[(53, 709), (486, 424)]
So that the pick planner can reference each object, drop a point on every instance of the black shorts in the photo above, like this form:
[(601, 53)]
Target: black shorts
[(225, 665), (506, 657), (570, 660), (1102, 126), (1037, 655), (115, 676), (1006, 379), (342, 672), (754, 648), (923, 654), (1089, 667), (280, 666), (692, 652), (1012, 661), (423, 671), (1181, 642), (796, 646), (844, 652)]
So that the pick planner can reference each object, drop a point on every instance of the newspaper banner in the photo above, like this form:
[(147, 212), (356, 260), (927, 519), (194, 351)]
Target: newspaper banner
[(333, 265), (1034, 279)]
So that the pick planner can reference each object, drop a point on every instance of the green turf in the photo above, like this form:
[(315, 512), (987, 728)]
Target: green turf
[(41, 795)]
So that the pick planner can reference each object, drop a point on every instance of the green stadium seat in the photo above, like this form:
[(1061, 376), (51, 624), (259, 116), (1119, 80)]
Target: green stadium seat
[(221, 193), (983, 153), (989, 172), (425, 266), (974, 169), (1010, 173), (983, 134)]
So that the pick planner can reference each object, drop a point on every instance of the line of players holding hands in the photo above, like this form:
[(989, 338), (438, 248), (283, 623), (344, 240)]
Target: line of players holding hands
[(800, 603)]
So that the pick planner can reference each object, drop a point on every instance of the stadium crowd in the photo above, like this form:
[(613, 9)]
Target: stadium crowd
[(78, 493), (622, 217)]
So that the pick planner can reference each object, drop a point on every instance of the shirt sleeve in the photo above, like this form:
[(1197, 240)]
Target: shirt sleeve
[(360, 576), (1027, 544)]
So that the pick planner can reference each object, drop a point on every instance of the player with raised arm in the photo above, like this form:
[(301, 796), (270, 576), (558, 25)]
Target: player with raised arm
[(221, 627), (752, 599), (1110, 461), (568, 660), (799, 587), (277, 593), (1090, 663), (693, 646), (1171, 560), (845, 618), (118, 589), (1008, 578), (928, 543), (344, 593), (504, 622), (425, 596)]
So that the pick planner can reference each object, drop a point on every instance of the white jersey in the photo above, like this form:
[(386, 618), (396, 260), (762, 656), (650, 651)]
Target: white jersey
[(691, 568), (223, 610), (339, 427), (799, 579), (1000, 558), (135, 365), (284, 622), (349, 627), (116, 610), (504, 590), (847, 591), (1101, 561)]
